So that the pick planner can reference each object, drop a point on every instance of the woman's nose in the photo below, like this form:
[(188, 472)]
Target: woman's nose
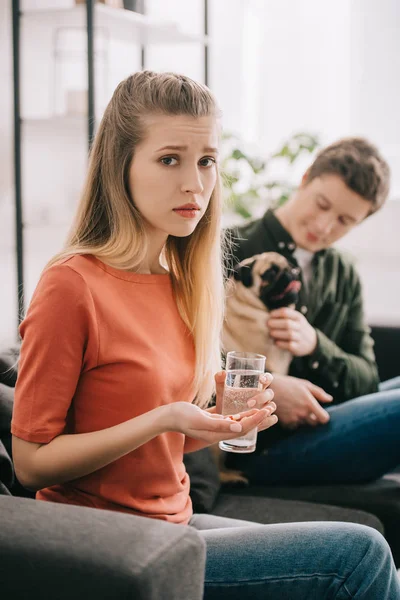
[(191, 182)]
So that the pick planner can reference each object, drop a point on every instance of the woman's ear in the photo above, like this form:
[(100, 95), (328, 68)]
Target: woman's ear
[(244, 274)]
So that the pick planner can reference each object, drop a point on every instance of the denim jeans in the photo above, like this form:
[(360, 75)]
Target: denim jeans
[(295, 561), (360, 443)]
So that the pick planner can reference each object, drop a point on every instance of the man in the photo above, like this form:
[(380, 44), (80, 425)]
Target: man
[(334, 423)]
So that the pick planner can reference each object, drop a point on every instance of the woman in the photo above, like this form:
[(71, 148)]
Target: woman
[(123, 333)]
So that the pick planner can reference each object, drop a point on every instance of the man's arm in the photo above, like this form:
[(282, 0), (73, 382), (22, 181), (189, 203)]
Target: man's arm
[(346, 369)]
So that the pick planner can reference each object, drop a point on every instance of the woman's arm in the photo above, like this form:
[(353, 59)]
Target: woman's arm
[(68, 457), (71, 456)]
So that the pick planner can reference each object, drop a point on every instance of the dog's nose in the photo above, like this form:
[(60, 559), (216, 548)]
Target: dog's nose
[(296, 271)]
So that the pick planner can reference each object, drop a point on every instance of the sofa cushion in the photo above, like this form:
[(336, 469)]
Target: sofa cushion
[(8, 365), (387, 344), (272, 510), (6, 467), (204, 480), (73, 552), (380, 498)]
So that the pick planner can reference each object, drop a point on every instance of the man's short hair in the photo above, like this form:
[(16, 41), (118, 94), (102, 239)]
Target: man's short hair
[(360, 166)]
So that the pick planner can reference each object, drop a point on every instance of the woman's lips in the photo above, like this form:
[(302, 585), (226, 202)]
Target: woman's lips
[(187, 213)]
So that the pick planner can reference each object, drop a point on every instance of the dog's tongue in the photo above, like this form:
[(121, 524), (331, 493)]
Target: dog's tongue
[(293, 286)]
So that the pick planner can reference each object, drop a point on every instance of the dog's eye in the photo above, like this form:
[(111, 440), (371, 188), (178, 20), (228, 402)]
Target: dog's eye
[(270, 274)]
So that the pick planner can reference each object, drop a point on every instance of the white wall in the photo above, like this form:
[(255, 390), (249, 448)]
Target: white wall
[(375, 77), (374, 106), (328, 68), (305, 72), (276, 66), (333, 68), (375, 247), (54, 155)]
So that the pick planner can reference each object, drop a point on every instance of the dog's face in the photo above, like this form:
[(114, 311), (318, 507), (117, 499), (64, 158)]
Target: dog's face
[(271, 278)]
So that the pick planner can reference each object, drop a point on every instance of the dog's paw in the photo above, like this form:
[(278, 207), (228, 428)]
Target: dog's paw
[(233, 479)]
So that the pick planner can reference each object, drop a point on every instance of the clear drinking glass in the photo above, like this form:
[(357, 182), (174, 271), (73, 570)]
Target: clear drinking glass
[(243, 370)]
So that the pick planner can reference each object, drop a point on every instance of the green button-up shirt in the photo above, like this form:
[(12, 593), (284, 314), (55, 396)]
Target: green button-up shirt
[(343, 363)]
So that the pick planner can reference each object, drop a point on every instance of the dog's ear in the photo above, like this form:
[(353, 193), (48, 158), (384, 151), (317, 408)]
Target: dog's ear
[(243, 273)]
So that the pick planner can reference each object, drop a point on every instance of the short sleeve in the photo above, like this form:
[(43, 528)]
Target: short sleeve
[(59, 342)]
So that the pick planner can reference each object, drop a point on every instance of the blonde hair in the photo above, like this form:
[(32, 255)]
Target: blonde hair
[(109, 226)]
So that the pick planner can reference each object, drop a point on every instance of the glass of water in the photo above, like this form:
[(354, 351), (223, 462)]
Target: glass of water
[(243, 371)]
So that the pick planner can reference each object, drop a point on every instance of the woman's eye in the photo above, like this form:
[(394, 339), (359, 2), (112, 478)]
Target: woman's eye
[(169, 161), (208, 161)]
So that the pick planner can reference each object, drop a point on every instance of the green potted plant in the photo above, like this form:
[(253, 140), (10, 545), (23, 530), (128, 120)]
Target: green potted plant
[(251, 184)]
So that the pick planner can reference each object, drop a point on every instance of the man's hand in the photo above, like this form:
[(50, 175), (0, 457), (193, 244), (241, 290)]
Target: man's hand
[(296, 401), (291, 331)]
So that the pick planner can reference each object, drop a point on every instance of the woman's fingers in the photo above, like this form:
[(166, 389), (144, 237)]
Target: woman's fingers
[(268, 422), (266, 380), (271, 406), (262, 419), (257, 401), (266, 394), (249, 421), (261, 399), (219, 424), (219, 389), (240, 423), (258, 414), (269, 419), (214, 428), (244, 413)]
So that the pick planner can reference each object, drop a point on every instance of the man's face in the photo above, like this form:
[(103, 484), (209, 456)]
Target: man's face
[(322, 211)]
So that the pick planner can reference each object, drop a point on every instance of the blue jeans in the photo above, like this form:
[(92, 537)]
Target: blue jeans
[(295, 561), (360, 443)]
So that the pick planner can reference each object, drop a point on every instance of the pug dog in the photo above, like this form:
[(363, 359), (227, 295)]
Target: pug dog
[(259, 284)]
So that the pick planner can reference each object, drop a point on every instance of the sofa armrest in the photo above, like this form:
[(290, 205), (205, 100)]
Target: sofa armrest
[(61, 551), (387, 346)]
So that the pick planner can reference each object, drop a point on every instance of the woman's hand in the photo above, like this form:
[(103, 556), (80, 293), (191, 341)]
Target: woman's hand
[(211, 427), (261, 400)]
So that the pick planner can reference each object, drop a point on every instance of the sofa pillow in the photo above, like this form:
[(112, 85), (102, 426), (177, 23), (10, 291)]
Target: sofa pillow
[(6, 467), (204, 480), (8, 365)]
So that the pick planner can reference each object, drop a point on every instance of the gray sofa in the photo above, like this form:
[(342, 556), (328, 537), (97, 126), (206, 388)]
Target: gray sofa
[(57, 551), (270, 504), (80, 551)]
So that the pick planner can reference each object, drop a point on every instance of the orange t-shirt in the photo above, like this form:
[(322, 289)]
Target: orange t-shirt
[(101, 346)]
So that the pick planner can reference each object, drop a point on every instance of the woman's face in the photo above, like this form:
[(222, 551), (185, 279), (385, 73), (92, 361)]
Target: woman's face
[(173, 172)]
